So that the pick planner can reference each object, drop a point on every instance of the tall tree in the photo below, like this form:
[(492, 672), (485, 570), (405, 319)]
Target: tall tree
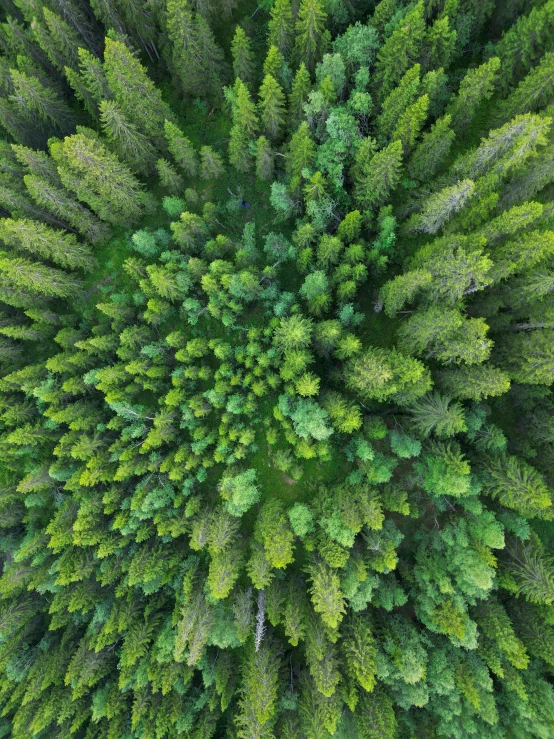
[(137, 96), (477, 86), (98, 178), (281, 26), (243, 56), (272, 107), (310, 33)]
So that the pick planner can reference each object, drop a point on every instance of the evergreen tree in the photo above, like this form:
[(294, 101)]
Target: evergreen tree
[(170, 179), (281, 26), (264, 159), (139, 100), (410, 123), (129, 144), (477, 86), (301, 87), (211, 164), (98, 178), (376, 177), (524, 43), (533, 92), (430, 154), (272, 107), (38, 239), (40, 104), (310, 35), (181, 149), (243, 57), (57, 201), (93, 76), (400, 52), (397, 102)]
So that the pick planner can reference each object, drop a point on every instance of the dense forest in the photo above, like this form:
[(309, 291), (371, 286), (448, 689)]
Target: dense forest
[(276, 368)]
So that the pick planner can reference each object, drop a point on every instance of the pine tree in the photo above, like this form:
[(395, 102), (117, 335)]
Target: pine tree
[(129, 144), (38, 103), (139, 100), (533, 92), (243, 57), (264, 159), (181, 149), (524, 43), (310, 36), (397, 102), (60, 248), (281, 26), (98, 178), (399, 52), (211, 164), (301, 87), (57, 201), (272, 107), (477, 86), (94, 77), (430, 154), (410, 123), (376, 178)]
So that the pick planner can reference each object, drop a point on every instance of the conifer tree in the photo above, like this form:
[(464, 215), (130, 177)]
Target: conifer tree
[(40, 104), (93, 75), (299, 95), (379, 175), (432, 151), (439, 44), (57, 39), (477, 86), (139, 100), (245, 126), (211, 164), (302, 151), (310, 33), (181, 149), (524, 43), (38, 239), (98, 178), (170, 179), (264, 159), (38, 278), (533, 92), (57, 201), (410, 123), (76, 81), (398, 101), (243, 57), (272, 107), (129, 144), (399, 52), (281, 26)]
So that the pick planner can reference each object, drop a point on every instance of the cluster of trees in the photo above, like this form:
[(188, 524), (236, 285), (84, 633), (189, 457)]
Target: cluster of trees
[(276, 368)]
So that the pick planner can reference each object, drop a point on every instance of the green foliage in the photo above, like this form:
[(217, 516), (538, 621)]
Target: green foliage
[(276, 437)]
